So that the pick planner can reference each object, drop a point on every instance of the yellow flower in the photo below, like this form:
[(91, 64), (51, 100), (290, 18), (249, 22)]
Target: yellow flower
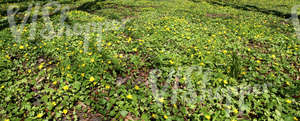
[(90, 53), (202, 64), (225, 82), (134, 49), (54, 83), (161, 100), (295, 119), (235, 111), (7, 56), (175, 106), (81, 42), (83, 65), (65, 111), (288, 101), (21, 47), (82, 74), (54, 103), (92, 79), (258, 61), (171, 62), (6, 120), (66, 88), (2, 86), (154, 115), (166, 117), (80, 51), (129, 96), (136, 87), (109, 44), (107, 86), (243, 72), (273, 56), (41, 66), (207, 117), (224, 51), (288, 83), (39, 115), (69, 76), (129, 39), (92, 60)]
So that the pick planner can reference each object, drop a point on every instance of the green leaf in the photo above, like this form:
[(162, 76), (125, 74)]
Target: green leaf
[(124, 113)]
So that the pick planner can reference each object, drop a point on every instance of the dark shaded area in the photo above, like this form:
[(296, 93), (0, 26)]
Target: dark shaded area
[(19, 18), (252, 8), (13, 1), (89, 6)]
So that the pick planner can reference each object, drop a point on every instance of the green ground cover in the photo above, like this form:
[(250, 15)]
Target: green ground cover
[(247, 53)]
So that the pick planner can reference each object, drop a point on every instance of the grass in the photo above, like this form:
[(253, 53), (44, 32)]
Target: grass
[(247, 59)]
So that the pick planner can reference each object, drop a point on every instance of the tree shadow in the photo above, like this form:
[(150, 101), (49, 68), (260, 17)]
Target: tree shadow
[(253, 8), (19, 18)]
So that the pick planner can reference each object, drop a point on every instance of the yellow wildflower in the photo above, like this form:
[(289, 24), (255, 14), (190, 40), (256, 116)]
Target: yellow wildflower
[(225, 82), (129, 39), (207, 117), (107, 86), (54, 103), (82, 74), (39, 115), (136, 87), (21, 47), (202, 64), (81, 42), (161, 100), (92, 60), (134, 49), (288, 101), (295, 119), (92, 79), (6, 120), (166, 117), (66, 87), (175, 106), (109, 44), (7, 56), (273, 56), (154, 115), (235, 111), (41, 66), (129, 96), (171, 62), (258, 61), (65, 111)]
